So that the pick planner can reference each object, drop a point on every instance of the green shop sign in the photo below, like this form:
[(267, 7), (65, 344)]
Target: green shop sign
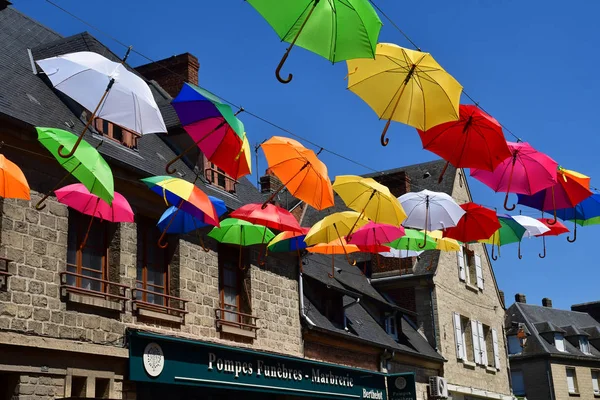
[(167, 360), (402, 386)]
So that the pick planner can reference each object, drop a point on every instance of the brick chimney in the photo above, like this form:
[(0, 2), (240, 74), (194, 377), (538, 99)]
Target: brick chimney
[(397, 182), (546, 302), (269, 182), (502, 299), (172, 72), (4, 4), (520, 298)]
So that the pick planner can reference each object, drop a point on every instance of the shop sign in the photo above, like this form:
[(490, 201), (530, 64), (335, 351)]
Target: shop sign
[(402, 386), (155, 358)]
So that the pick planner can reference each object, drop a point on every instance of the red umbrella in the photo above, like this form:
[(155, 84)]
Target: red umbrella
[(556, 228), (527, 171), (477, 223), (474, 141)]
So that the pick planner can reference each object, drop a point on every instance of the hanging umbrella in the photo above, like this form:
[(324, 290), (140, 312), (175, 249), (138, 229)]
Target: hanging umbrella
[(444, 243), (474, 141), (395, 253), (406, 86), (527, 171), (86, 164), (370, 198), (108, 88), (430, 210), (78, 197), (585, 213), (337, 30), (532, 226), (410, 241), (555, 228), (303, 174), (186, 196), (477, 223), (288, 241), (213, 127), (175, 221), (376, 234), (271, 216), (510, 232), (336, 246), (242, 233), (13, 184), (570, 189)]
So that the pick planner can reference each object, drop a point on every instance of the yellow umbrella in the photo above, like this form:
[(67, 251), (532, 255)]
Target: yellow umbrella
[(444, 244), (406, 86), (370, 198)]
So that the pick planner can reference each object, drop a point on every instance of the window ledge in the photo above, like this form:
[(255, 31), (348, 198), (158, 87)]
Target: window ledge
[(597, 395), (491, 370), (472, 287), (574, 394), (93, 301), (161, 316), (238, 331), (468, 364)]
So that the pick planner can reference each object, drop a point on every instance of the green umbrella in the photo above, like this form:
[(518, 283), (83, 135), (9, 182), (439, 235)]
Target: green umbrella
[(241, 233), (412, 240), (86, 164), (510, 232), (338, 30)]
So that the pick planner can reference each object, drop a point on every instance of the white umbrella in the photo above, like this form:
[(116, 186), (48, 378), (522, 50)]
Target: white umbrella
[(532, 226), (107, 88), (395, 253), (430, 211)]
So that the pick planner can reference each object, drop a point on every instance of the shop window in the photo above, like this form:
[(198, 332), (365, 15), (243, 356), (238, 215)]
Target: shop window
[(116, 133)]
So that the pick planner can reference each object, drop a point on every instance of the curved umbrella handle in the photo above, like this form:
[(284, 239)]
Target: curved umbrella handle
[(426, 218), (512, 170), (554, 205), (493, 256), (75, 146), (259, 259), (350, 261), (441, 177), (201, 240), (278, 70), (40, 204), (519, 253), (544, 254), (506, 204), (160, 240), (332, 274), (574, 235), (383, 139), (428, 268)]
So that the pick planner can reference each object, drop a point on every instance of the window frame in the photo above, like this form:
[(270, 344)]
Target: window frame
[(574, 377), (584, 342), (391, 326), (143, 223), (559, 338), (226, 254), (596, 378)]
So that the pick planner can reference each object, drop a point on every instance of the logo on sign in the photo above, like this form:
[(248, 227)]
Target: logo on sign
[(154, 359), (400, 383)]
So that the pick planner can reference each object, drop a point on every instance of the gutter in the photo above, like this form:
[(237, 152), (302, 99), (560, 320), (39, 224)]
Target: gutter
[(302, 313), (550, 381), (433, 319)]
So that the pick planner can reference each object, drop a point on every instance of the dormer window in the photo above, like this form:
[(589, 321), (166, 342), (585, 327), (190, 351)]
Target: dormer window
[(217, 177), (514, 345), (391, 326), (584, 345), (559, 342)]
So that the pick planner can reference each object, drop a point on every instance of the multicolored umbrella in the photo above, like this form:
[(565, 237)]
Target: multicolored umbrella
[(13, 184), (474, 141), (288, 242), (510, 232), (214, 128), (110, 89), (86, 164), (555, 228), (405, 85), (477, 223), (370, 198), (527, 171), (570, 189), (79, 198), (301, 172), (585, 213), (532, 226), (334, 29)]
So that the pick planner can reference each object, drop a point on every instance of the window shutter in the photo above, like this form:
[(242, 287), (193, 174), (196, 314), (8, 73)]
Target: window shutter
[(461, 265), (458, 337), (482, 344), (479, 271), (496, 352), (476, 344)]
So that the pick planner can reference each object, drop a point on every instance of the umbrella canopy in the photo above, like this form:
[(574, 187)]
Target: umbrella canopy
[(588, 209), (107, 88), (183, 222), (271, 216), (570, 189), (412, 241), (288, 241), (370, 198), (335, 29), (430, 210), (303, 174), (406, 86), (444, 243), (395, 253), (477, 223), (555, 228), (242, 233), (333, 227), (86, 164), (532, 226), (13, 184), (527, 171), (185, 196), (79, 198), (510, 232), (474, 141), (214, 128), (376, 234), (336, 246)]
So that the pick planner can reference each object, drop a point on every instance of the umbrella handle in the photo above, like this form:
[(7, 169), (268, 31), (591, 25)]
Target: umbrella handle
[(430, 265), (441, 178), (574, 234), (554, 205), (332, 274), (40, 204), (506, 207), (164, 232), (426, 218), (544, 254), (278, 70), (512, 170), (383, 139), (282, 186), (519, 253), (87, 233), (206, 249), (493, 256), (160, 241)]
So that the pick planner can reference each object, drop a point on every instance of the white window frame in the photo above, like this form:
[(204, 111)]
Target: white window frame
[(459, 337), (461, 264), (479, 271), (477, 354), (496, 349), (559, 342), (572, 386), (391, 326), (596, 381), (584, 345)]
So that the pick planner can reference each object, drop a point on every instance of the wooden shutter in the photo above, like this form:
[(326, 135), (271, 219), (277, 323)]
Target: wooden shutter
[(479, 271), (496, 352), (458, 337), (476, 343), (461, 265), (482, 344)]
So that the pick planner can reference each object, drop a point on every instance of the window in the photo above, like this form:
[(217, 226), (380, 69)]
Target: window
[(595, 385), (518, 383), (559, 342), (218, 177), (572, 380), (152, 264), (514, 345), (89, 260), (116, 133), (469, 267), (462, 336), (234, 285), (391, 326), (584, 345)]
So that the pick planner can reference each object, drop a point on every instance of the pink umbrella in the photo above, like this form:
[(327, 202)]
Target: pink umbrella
[(374, 234), (527, 171), (79, 198)]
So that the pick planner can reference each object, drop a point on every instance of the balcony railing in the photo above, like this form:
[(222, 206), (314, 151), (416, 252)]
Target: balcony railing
[(228, 182), (245, 324), (4, 274), (170, 304), (110, 290)]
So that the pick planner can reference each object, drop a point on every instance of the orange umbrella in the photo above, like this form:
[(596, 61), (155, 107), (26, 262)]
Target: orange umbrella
[(337, 246), (301, 172), (13, 184)]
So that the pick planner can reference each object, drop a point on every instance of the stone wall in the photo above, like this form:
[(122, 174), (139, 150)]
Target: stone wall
[(341, 355), (37, 387), (559, 380)]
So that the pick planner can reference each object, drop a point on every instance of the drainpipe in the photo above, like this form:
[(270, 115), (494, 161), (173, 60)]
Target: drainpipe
[(384, 358), (302, 313), (433, 318), (550, 382)]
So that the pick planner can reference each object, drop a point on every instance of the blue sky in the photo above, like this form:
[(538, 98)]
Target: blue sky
[(530, 64)]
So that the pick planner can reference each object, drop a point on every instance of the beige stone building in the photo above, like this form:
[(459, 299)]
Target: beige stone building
[(553, 353)]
